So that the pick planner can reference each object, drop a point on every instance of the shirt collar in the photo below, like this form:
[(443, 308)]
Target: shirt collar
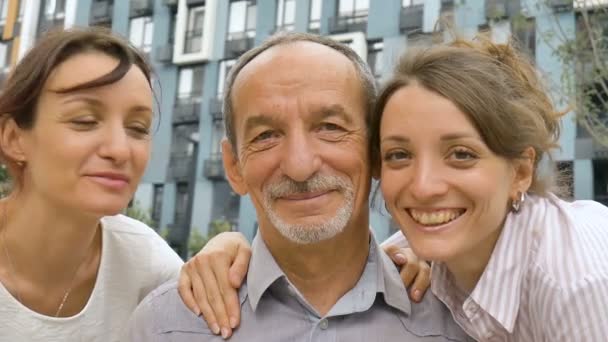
[(504, 275), (379, 276)]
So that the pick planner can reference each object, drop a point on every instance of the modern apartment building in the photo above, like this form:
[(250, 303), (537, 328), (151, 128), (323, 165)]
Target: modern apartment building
[(194, 43)]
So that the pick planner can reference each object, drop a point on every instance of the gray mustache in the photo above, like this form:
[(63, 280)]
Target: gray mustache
[(287, 186)]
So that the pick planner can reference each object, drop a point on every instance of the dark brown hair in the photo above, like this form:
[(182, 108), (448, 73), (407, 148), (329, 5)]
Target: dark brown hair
[(494, 85), (23, 87)]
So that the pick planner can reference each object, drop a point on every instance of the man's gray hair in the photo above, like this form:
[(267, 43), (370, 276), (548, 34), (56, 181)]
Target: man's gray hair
[(368, 82)]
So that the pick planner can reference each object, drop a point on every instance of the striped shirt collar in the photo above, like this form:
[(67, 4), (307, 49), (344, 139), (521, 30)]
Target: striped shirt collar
[(379, 276), (499, 289)]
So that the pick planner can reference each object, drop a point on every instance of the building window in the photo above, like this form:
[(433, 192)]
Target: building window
[(190, 86), (194, 29), (140, 33), (408, 3), (353, 8), (3, 11), (241, 23), (565, 172), (286, 14), (525, 33), (183, 141), (600, 180), (54, 9), (225, 67), (157, 204), (181, 203), (375, 59), (216, 138), (5, 60), (314, 23)]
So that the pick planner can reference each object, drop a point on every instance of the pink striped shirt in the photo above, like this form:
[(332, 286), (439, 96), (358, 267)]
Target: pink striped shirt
[(547, 278)]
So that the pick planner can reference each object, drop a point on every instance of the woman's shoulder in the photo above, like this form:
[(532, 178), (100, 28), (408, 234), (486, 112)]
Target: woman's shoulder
[(573, 239)]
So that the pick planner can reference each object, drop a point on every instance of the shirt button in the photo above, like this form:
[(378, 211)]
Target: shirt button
[(324, 324)]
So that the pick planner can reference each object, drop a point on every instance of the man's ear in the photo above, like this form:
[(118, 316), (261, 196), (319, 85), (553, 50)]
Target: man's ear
[(524, 172), (233, 169), (11, 140)]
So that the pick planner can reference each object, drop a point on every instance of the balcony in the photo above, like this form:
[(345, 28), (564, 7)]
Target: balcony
[(101, 12), (215, 108), (170, 3), (186, 110), (411, 18), (164, 53), (180, 166), (140, 8), (213, 168), (238, 43), (447, 5), (350, 23), (496, 9), (561, 5)]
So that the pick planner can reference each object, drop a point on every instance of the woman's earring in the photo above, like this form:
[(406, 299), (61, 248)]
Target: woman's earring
[(516, 204)]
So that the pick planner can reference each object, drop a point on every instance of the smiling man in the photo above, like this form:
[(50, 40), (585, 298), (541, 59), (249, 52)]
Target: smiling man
[(296, 113)]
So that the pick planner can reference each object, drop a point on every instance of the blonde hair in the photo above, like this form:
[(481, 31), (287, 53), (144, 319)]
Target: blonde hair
[(494, 85)]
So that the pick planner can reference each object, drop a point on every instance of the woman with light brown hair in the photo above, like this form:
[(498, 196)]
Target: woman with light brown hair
[(75, 132), (457, 137)]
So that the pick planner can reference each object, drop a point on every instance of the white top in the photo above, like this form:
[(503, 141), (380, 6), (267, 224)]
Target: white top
[(547, 278), (134, 261)]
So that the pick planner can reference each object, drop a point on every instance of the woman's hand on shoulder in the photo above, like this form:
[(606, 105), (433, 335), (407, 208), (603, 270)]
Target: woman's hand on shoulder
[(209, 281)]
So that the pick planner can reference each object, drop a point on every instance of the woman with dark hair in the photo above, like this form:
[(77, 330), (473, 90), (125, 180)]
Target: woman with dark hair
[(75, 120), (457, 136)]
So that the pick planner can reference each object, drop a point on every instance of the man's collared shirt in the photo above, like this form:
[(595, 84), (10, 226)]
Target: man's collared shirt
[(272, 309)]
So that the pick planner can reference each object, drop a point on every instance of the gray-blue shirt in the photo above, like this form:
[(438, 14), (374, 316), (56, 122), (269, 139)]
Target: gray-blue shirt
[(272, 309)]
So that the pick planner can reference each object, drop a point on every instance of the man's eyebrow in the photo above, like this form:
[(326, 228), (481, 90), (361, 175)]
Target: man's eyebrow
[(260, 120), (334, 110)]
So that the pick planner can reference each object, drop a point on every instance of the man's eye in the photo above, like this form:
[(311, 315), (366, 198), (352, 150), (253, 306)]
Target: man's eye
[(264, 136), (328, 126)]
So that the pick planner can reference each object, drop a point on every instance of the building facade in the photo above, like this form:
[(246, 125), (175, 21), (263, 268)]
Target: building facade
[(194, 43)]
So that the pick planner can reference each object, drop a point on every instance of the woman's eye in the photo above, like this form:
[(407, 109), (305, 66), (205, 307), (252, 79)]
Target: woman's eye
[(84, 123), (396, 156), (463, 155)]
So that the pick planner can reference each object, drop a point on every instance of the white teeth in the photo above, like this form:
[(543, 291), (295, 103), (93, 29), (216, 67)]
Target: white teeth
[(436, 217)]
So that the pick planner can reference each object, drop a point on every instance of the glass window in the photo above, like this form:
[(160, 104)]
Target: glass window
[(315, 15), (374, 58), (286, 14), (408, 3), (54, 8), (241, 22), (4, 60), (157, 203), (140, 33), (190, 86), (225, 67), (3, 10), (216, 139), (194, 31), (351, 8)]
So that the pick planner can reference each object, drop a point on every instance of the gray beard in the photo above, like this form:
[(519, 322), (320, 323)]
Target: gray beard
[(313, 232)]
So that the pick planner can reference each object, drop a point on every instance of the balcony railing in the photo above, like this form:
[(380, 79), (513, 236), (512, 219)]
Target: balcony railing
[(213, 167), (238, 43), (180, 166), (496, 9), (411, 18), (140, 8), (187, 109), (355, 22), (215, 108), (194, 41), (561, 5), (101, 12), (164, 53)]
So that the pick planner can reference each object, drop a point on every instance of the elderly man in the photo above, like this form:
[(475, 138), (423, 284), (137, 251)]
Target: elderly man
[(296, 113)]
